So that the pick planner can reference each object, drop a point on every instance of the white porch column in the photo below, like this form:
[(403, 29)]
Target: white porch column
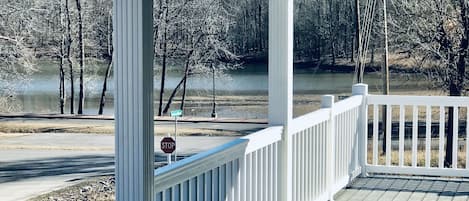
[(281, 85), (133, 99)]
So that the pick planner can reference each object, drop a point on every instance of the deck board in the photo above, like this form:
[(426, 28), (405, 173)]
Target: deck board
[(402, 188)]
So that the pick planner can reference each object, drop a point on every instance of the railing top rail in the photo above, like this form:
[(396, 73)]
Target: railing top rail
[(347, 104), (187, 168), (309, 120), (417, 100)]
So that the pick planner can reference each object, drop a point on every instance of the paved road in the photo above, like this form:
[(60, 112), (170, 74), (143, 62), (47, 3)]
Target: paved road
[(33, 164)]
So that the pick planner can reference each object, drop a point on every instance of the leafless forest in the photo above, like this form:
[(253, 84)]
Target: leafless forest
[(428, 36)]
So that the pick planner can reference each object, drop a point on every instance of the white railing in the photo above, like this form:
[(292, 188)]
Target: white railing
[(420, 153), (325, 157), (242, 170), (327, 148)]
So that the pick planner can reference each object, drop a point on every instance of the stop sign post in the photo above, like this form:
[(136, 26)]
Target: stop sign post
[(168, 145)]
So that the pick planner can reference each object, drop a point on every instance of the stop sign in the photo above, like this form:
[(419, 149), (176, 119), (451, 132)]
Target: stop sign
[(168, 145)]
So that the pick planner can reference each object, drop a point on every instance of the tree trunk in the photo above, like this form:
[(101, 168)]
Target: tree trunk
[(110, 52), (173, 94), (454, 91), (457, 86), (331, 31), (186, 74), (358, 41), (81, 98), (163, 70), (103, 92), (69, 59), (61, 63), (62, 78)]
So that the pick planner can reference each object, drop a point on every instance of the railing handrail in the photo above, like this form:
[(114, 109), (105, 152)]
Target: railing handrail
[(347, 104), (305, 121), (418, 100), (175, 173)]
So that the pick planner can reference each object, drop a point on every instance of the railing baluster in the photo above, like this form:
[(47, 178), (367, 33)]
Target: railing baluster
[(254, 173), (275, 189), (222, 177), (215, 183), (388, 134), (294, 167), (193, 189), (375, 134), (455, 136), (260, 170), (185, 190), (317, 140), (467, 138), (270, 175), (415, 124), (248, 177), (304, 146), (208, 185), (441, 146), (428, 136), (308, 163), (200, 187), (229, 184), (401, 134), (240, 179), (265, 170)]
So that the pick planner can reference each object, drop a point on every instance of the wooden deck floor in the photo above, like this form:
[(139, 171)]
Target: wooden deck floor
[(395, 188)]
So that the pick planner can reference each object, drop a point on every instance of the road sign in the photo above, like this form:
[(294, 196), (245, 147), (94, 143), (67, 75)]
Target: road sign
[(176, 113), (168, 145)]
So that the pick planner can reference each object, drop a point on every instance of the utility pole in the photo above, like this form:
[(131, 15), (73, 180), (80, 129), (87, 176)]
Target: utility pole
[(385, 74), (358, 38)]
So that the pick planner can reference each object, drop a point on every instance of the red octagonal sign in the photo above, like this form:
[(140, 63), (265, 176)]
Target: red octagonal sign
[(168, 145)]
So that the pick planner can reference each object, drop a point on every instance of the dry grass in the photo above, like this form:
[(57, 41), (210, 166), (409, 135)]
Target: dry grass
[(9, 128), (434, 162)]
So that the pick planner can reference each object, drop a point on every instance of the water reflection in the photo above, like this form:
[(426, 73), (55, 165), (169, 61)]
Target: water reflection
[(41, 96)]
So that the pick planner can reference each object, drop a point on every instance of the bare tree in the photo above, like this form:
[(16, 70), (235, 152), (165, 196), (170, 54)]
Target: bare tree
[(435, 33), (68, 53), (16, 57), (81, 58)]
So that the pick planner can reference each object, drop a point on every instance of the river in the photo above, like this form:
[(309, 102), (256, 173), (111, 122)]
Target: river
[(41, 95)]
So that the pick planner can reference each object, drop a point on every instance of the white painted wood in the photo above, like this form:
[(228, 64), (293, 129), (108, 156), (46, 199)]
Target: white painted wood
[(428, 136), (455, 136), (388, 134), (281, 84), (180, 171), (263, 138), (401, 134), (418, 100), (375, 134), (362, 90), (328, 102), (347, 104), (415, 120), (308, 120), (441, 147), (467, 137), (133, 73)]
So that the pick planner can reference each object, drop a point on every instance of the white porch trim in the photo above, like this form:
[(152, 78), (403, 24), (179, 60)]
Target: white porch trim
[(133, 103)]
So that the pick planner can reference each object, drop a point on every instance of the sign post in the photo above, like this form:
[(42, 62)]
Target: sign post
[(168, 145), (176, 114)]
